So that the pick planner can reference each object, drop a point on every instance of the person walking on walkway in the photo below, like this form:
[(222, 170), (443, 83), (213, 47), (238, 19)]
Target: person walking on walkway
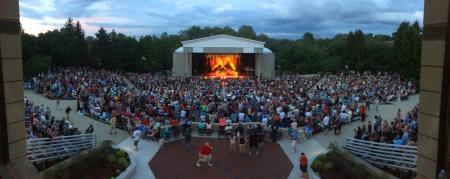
[(253, 141), (68, 109), (113, 123), (232, 143), (136, 135), (294, 136), (57, 104), (187, 138), (205, 154), (242, 140), (304, 165)]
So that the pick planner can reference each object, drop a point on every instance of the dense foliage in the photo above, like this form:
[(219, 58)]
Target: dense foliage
[(69, 46)]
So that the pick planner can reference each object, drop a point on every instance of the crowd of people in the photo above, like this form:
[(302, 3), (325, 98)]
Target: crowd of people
[(129, 100), (40, 123), (402, 131)]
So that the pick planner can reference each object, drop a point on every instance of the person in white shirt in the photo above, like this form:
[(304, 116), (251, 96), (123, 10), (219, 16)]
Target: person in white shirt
[(343, 117), (308, 114), (136, 136), (326, 121), (294, 125)]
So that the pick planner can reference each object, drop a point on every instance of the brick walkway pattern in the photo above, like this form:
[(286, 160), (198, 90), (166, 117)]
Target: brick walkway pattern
[(174, 161)]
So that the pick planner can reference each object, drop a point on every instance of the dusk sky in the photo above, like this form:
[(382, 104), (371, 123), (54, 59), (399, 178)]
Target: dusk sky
[(276, 18)]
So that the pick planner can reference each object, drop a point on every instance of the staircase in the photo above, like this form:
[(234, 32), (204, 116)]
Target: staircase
[(42, 149), (320, 82)]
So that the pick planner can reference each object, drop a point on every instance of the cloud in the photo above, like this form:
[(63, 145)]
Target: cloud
[(278, 18), (224, 8), (39, 6)]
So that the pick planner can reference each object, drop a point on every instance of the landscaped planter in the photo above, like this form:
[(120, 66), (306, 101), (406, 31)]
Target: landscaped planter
[(131, 169), (102, 162), (333, 164)]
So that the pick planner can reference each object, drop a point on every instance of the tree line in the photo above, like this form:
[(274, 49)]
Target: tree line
[(69, 47)]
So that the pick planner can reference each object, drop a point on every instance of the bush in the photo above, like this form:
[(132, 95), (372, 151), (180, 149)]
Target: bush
[(322, 157), (111, 158), (123, 162), (317, 165), (120, 154), (327, 166)]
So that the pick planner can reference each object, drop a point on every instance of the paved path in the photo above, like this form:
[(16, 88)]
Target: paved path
[(80, 121)]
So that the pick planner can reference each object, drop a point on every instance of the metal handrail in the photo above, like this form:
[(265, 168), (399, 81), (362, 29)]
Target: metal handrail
[(57, 147), (388, 155)]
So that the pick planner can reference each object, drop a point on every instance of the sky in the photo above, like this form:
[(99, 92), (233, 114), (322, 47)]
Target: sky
[(276, 18)]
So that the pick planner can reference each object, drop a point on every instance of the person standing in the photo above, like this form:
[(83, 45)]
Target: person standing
[(304, 165), (187, 138), (294, 135), (113, 123), (205, 154), (57, 104), (232, 143), (362, 112), (136, 135), (241, 143), (274, 133), (68, 109), (253, 141), (377, 103)]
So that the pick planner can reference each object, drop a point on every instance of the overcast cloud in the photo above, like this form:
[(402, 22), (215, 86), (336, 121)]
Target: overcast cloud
[(277, 18)]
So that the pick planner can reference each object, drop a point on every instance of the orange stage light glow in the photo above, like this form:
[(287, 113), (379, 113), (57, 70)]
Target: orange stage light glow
[(223, 65)]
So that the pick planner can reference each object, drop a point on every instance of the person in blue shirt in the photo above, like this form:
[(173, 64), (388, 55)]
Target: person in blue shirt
[(405, 136)]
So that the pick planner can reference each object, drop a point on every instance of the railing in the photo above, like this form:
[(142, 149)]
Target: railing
[(388, 155), (57, 147)]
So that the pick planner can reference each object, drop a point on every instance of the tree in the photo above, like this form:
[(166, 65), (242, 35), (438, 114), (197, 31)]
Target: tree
[(101, 48), (246, 31), (407, 49), (35, 65), (308, 37), (69, 47), (355, 48)]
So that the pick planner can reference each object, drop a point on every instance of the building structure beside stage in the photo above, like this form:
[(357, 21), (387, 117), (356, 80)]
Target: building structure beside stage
[(223, 55)]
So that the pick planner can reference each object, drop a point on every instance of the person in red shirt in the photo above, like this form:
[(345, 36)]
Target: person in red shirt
[(205, 154), (304, 165), (362, 112)]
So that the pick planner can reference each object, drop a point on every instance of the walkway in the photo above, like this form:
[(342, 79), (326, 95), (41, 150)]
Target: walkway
[(80, 121)]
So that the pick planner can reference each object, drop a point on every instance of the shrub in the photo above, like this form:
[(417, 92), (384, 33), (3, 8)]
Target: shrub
[(317, 165), (322, 157), (120, 154), (360, 170), (112, 158), (327, 166), (122, 162)]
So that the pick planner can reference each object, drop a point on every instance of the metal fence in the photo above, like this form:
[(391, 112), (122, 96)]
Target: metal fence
[(386, 155), (57, 147)]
